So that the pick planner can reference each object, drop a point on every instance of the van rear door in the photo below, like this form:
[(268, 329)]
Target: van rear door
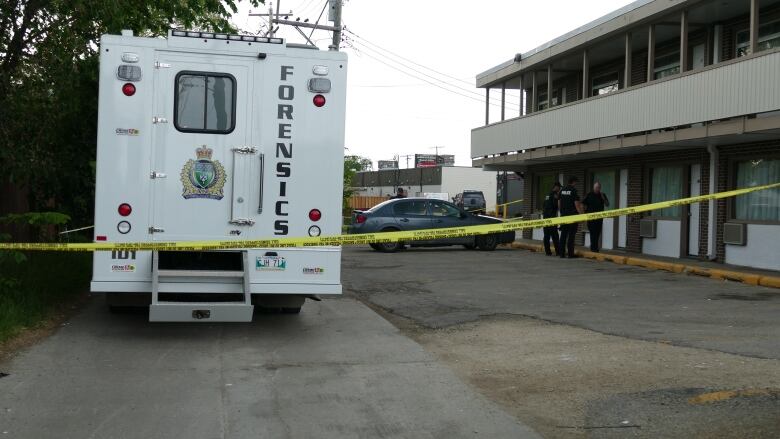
[(202, 162)]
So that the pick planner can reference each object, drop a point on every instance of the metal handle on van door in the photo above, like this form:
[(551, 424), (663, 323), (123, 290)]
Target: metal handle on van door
[(404, 220), (262, 173)]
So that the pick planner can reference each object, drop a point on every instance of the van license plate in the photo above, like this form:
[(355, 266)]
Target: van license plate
[(270, 263)]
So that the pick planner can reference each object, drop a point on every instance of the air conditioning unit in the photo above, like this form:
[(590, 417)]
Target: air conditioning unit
[(735, 233), (647, 228)]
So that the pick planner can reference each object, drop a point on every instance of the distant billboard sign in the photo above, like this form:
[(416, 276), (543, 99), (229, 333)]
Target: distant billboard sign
[(387, 164), (432, 160)]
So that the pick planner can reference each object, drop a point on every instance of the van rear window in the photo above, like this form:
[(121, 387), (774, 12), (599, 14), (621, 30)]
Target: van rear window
[(205, 102)]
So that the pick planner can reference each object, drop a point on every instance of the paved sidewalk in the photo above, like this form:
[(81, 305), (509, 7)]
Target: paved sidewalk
[(337, 370), (715, 270)]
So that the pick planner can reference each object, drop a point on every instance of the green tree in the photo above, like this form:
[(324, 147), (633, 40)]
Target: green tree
[(352, 165), (49, 86)]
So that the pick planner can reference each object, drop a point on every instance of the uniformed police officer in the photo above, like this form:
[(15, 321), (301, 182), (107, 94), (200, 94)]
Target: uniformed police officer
[(569, 204), (595, 201), (550, 210)]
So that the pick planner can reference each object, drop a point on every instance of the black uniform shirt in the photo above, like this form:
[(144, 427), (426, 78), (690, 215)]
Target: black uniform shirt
[(550, 207), (568, 197), (595, 202)]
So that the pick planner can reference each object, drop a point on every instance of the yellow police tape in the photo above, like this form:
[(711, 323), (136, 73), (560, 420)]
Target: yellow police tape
[(384, 237)]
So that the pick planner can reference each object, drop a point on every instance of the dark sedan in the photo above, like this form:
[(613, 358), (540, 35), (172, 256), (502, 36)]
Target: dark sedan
[(406, 214)]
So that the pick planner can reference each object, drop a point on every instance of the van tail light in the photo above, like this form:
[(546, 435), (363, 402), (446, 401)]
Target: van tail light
[(128, 89), (360, 218), (319, 100), (125, 209), (315, 214)]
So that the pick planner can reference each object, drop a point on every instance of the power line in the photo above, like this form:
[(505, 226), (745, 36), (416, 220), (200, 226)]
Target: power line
[(303, 7), (472, 94), (476, 94), (424, 80), (407, 59)]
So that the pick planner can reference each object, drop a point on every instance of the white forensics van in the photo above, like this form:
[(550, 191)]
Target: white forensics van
[(207, 136)]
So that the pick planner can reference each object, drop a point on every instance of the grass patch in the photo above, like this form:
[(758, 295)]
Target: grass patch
[(43, 283)]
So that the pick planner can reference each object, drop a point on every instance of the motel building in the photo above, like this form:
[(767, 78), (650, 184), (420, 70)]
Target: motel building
[(659, 100)]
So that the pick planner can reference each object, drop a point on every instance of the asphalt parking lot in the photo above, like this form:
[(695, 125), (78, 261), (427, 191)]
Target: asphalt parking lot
[(579, 348), (436, 343)]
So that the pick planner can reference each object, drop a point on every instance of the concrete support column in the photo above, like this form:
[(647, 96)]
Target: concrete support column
[(534, 94), (503, 101), (684, 41), (487, 105), (627, 57), (549, 86), (717, 34), (585, 74), (651, 53), (753, 26), (522, 95)]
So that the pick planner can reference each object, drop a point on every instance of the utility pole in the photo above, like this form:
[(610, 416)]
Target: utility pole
[(334, 14), (407, 159), (437, 148)]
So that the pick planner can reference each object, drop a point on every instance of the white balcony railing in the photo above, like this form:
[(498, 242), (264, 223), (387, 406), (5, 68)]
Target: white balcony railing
[(733, 88)]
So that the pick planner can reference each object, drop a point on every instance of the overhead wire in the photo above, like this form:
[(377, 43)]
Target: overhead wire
[(461, 90), (367, 42), (474, 98)]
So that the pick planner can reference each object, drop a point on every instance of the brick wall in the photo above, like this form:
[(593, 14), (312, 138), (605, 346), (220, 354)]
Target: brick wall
[(636, 165)]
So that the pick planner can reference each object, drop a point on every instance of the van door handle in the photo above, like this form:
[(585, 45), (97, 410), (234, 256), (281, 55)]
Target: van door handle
[(404, 220), (262, 173)]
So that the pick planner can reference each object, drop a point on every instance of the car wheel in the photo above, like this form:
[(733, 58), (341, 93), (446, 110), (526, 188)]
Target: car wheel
[(390, 247), (487, 242), (470, 246), (375, 247)]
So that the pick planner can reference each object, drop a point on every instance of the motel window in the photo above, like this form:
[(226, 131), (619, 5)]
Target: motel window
[(666, 184), (558, 98), (667, 65), (608, 186), (541, 100), (205, 102), (768, 38), (544, 184), (605, 84), (761, 205)]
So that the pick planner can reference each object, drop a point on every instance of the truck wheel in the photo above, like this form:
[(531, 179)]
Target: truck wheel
[(375, 247), (487, 242), (470, 246)]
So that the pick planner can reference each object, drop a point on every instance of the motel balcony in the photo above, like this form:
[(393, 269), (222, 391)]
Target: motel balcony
[(652, 76)]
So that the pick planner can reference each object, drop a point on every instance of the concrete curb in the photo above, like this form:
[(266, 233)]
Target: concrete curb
[(713, 273)]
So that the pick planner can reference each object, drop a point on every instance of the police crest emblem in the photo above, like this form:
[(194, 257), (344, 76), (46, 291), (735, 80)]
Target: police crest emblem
[(203, 177)]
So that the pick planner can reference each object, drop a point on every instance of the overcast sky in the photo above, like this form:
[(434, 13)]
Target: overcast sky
[(394, 113)]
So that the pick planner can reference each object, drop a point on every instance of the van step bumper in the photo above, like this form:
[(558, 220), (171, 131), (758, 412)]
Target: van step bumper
[(200, 312)]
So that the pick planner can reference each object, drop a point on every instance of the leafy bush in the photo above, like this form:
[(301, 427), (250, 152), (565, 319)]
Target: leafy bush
[(34, 283)]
